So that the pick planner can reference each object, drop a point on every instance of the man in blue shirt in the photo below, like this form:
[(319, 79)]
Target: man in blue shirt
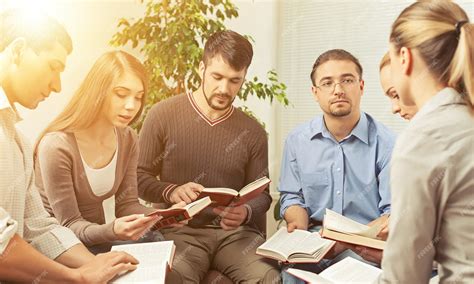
[(339, 160)]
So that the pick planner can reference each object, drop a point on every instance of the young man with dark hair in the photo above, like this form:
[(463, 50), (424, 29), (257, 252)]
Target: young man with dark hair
[(33, 51), (198, 140), (339, 160)]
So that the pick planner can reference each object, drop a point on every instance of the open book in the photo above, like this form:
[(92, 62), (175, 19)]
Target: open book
[(155, 260), (348, 270), (174, 215), (222, 196), (340, 228), (298, 246)]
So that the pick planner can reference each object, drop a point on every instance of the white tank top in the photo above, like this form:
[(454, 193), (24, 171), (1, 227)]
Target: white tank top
[(101, 182)]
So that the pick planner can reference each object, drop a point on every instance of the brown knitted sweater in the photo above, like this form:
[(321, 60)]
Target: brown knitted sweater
[(179, 144)]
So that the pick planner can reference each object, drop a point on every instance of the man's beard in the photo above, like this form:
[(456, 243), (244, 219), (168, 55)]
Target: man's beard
[(340, 112), (217, 107), (209, 99)]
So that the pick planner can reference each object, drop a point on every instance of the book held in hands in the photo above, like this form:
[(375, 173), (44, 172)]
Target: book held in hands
[(222, 196), (298, 246), (155, 259), (175, 215), (340, 228)]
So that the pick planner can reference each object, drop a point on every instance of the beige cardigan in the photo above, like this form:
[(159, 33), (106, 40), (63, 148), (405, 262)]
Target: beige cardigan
[(67, 195)]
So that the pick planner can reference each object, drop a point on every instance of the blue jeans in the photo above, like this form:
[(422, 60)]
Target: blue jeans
[(149, 237)]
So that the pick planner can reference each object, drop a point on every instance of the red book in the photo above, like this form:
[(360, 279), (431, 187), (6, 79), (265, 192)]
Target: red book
[(222, 196), (175, 215)]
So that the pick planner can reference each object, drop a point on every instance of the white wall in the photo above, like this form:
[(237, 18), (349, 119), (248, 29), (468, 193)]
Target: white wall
[(91, 25)]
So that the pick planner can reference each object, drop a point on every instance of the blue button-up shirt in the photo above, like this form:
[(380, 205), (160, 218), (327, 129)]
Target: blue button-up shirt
[(350, 177)]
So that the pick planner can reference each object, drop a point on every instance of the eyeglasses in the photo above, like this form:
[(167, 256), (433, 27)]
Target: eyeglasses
[(329, 86)]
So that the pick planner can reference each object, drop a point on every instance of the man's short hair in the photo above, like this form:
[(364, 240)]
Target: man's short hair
[(334, 54), (39, 30), (235, 49)]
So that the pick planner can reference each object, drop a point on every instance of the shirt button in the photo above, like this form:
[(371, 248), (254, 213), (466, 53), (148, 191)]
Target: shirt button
[(338, 169), (338, 192)]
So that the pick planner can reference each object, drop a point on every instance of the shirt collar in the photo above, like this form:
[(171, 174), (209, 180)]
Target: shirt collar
[(446, 96), (5, 105), (361, 130)]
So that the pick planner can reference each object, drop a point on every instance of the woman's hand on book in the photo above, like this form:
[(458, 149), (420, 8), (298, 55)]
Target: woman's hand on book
[(133, 227), (186, 193), (232, 217)]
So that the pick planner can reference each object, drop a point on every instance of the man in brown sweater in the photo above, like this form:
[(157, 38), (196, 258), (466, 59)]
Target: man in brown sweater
[(198, 140)]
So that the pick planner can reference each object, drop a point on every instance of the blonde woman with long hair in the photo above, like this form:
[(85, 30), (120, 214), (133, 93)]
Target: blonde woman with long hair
[(86, 159), (432, 174)]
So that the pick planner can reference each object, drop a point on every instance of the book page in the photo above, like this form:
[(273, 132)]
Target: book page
[(299, 241), (350, 270), (434, 280), (307, 276), (153, 275), (225, 190), (336, 222), (198, 205), (153, 258), (254, 185)]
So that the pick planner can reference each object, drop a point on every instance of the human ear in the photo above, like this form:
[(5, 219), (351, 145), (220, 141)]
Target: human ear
[(314, 91), (202, 67), (406, 60), (17, 48)]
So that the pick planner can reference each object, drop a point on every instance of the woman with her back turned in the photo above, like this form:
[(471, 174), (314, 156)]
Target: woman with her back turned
[(432, 174)]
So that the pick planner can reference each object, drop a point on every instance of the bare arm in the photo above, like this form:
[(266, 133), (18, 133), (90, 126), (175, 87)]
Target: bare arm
[(22, 263), (75, 257)]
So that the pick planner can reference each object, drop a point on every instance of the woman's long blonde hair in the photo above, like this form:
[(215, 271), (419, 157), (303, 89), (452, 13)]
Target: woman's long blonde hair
[(87, 103), (447, 47)]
